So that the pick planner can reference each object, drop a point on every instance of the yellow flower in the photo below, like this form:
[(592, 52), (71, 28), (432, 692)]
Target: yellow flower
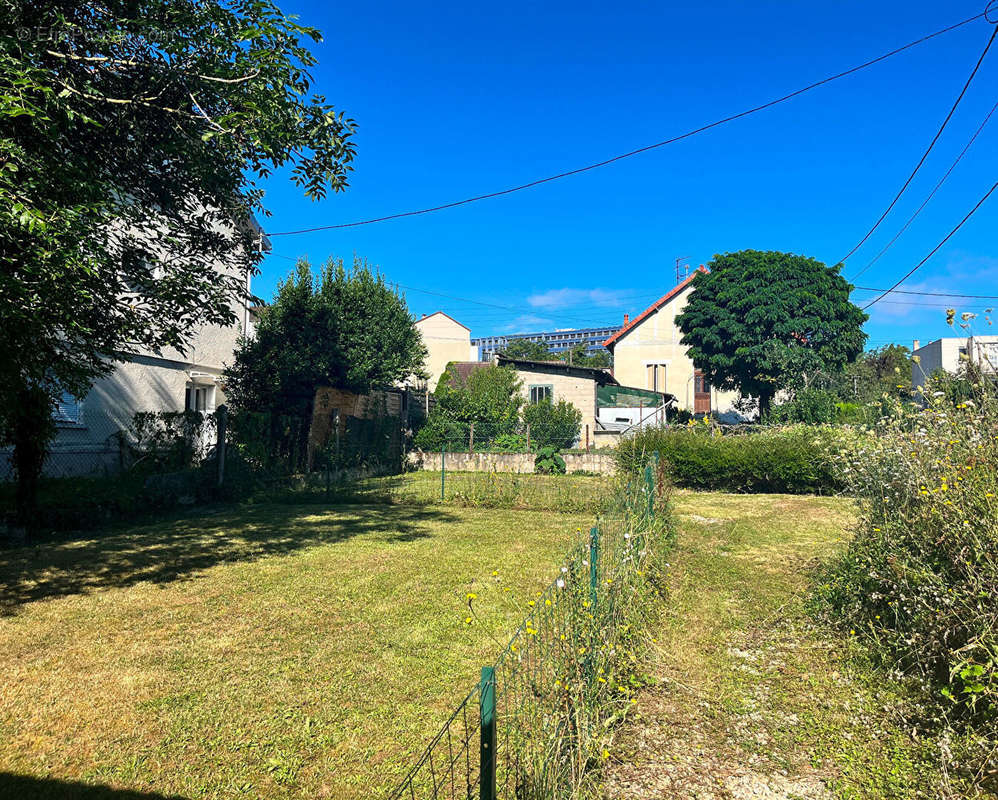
[(470, 596), (531, 603), (467, 620)]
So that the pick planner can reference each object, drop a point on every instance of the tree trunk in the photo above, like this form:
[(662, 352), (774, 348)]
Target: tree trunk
[(765, 404), (32, 430)]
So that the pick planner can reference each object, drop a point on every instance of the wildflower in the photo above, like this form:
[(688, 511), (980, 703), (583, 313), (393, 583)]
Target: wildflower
[(606, 754), (547, 602), (467, 620), (471, 596), (560, 583)]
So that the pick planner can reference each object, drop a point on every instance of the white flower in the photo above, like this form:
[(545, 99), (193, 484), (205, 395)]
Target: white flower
[(560, 583)]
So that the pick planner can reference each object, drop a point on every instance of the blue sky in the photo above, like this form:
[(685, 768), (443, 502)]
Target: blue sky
[(455, 100)]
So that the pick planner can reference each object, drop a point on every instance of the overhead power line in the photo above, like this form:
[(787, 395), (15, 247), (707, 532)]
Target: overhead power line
[(949, 235), (935, 189), (639, 150), (928, 150), (933, 294)]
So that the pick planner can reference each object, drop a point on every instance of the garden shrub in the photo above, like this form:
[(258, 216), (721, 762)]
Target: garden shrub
[(548, 462), (919, 582), (791, 460), (809, 406), (553, 424), (439, 432)]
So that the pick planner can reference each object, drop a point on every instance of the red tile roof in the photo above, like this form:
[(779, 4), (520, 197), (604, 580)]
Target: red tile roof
[(668, 296)]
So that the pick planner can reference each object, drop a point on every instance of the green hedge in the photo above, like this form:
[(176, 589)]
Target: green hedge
[(789, 460)]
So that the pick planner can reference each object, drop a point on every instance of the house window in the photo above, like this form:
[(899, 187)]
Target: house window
[(199, 397), (656, 377), (700, 385), (540, 393), (68, 411)]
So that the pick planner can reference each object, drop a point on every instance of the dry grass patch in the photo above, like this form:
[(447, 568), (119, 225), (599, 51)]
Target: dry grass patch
[(277, 651)]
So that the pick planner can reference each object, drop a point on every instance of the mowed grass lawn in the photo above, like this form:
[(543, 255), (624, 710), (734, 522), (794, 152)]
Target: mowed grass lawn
[(270, 651)]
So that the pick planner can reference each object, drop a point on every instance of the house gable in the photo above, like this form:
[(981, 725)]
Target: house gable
[(641, 318)]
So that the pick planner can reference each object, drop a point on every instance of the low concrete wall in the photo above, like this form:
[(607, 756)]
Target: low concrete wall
[(601, 463)]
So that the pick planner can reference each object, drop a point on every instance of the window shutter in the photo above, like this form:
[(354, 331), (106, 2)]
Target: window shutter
[(68, 410)]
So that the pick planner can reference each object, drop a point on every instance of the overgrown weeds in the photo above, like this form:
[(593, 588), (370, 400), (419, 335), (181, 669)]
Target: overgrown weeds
[(919, 583), (569, 673)]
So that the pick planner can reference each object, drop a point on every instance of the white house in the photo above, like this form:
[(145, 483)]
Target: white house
[(87, 440), (949, 353)]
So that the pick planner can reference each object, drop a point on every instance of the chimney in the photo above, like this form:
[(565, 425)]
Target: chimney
[(626, 319), (915, 345)]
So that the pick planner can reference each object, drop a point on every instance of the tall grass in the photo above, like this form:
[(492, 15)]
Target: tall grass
[(919, 583), (570, 670)]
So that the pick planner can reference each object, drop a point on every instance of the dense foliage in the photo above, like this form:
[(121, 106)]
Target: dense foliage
[(578, 355), (759, 322), (133, 138), (554, 425), (489, 396), (344, 328), (791, 460), (529, 350), (919, 583), (548, 462), (810, 406)]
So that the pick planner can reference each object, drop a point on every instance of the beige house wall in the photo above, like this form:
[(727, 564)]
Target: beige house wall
[(446, 341), (656, 341), (580, 392)]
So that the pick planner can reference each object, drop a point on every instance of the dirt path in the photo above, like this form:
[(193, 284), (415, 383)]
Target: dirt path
[(749, 699)]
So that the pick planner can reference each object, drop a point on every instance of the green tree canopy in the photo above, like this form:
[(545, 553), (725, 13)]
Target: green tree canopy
[(532, 351), (134, 134), (762, 321), (580, 356), (489, 394), (343, 328)]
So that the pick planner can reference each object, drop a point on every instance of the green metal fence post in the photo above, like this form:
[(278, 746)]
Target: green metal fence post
[(487, 709), (443, 454), (593, 566), (650, 484)]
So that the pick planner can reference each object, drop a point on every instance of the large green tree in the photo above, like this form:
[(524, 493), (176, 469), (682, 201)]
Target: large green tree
[(133, 137), (344, 328), (761, 321), (532, 351)]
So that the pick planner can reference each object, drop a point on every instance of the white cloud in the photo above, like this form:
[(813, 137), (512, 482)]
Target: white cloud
[(526, 323), (568, 298)]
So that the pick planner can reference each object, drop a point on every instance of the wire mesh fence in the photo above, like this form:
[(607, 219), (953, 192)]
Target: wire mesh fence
[(512, 436), (545, 704), (165, 459)]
